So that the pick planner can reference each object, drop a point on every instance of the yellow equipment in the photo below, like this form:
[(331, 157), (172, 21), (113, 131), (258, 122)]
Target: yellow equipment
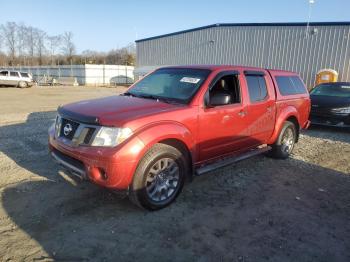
[(326, 76)]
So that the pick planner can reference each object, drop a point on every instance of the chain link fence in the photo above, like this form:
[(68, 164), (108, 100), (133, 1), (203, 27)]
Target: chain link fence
[(88, 74)]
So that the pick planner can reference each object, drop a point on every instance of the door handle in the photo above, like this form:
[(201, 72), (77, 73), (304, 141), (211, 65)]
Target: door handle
[(242, 113), (269, 109)]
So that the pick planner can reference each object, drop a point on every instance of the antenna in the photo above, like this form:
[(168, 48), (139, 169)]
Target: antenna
[(311, 2)]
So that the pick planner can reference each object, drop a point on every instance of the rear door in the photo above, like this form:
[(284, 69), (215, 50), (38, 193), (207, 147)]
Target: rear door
[(13, 78), (261, 111)]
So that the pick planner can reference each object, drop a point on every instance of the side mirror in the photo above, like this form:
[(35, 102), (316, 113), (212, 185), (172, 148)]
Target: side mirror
[(219, 99)]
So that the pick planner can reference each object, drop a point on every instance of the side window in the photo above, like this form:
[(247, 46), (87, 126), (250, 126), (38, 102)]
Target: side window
[(256, 87), (14, 73), (290, 85), (3, 73), (227, 86), (298, 85), (24, 74)]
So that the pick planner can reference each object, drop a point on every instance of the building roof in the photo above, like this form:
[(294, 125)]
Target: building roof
[(246, 24)]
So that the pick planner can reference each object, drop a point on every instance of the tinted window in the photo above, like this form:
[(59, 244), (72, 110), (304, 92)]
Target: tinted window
[(24, 74), (257, 88), (3, 73), (290, 85), (13, 74), (298, 85)]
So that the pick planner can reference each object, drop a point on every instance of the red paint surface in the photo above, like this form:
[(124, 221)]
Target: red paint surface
[(208, 133)]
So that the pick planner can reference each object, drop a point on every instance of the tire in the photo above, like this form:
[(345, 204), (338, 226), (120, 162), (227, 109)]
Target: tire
[(159, 177), (22, 84), (284, 145)]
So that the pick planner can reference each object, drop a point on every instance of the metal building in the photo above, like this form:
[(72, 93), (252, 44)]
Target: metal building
[(297, 47)]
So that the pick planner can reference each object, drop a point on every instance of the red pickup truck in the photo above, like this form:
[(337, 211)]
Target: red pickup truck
[(179, 122)]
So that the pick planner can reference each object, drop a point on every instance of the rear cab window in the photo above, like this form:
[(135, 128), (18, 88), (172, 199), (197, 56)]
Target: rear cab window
[(290, 85)]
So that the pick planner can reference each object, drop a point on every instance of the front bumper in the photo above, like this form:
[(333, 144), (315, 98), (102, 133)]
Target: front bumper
[(337, 120), (108, 167), (74, 166), (31, 83)]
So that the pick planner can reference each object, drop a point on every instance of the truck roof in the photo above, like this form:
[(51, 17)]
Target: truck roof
[(227, 67)]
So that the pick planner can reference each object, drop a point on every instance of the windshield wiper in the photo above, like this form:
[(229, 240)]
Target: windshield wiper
[(158, 98), (170, 100), (127, 94), (148, 96)]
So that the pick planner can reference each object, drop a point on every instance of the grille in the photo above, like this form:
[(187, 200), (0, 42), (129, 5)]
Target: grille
[(68, 128)]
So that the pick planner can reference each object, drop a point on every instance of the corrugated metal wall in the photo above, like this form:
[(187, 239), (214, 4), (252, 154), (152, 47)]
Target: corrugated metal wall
[(278, 47)]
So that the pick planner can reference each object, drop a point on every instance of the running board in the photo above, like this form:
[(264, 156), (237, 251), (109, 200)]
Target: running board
[(229, 161)]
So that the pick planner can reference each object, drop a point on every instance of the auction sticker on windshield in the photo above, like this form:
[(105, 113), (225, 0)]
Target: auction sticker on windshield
[(190, 80)]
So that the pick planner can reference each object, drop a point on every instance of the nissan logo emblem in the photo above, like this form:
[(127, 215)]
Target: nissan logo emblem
[(67, 129)]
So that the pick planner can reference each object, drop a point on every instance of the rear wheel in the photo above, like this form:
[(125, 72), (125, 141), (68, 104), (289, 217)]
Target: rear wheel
[(159, 177), (284, 145), (22, 84)]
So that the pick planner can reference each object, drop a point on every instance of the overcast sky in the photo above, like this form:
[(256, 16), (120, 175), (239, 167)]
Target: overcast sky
[(105, 24)]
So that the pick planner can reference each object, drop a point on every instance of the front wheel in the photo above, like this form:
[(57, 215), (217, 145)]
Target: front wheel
[(22, 84), (159, 177), (284, 145)]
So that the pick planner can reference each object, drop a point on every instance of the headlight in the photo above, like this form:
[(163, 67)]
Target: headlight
[(111, 136), (344, 110)]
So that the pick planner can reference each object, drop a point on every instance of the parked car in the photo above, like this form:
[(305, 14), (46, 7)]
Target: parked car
[(331, 104), (16, 78), (179, 122)]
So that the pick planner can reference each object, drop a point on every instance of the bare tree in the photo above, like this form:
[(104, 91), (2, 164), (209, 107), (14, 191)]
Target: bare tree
[(22, 42), (31, 42), (54, 43), (68, 46), (40, 45), (1, 41), (27, 45), (9, 31)]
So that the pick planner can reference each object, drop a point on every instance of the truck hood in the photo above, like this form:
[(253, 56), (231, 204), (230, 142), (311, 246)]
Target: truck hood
[(114, 110)]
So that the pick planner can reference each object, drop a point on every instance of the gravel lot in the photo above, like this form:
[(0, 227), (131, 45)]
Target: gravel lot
[(257, 210)]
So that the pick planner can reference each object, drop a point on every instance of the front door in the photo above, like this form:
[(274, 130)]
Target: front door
[(221, 126)]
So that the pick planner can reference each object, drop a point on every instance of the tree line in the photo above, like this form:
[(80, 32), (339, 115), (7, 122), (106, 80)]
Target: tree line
[(22, 45)]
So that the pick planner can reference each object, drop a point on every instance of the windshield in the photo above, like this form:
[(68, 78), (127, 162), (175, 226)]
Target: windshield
[(177, 84), (340, 90)]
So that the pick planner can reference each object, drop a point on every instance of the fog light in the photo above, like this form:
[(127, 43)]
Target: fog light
[(97, 173), (103, 174)]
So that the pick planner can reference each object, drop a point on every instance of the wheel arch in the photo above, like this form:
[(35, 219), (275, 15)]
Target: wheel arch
[(291, 114), (172, 134), (294, 120), (182, 147)]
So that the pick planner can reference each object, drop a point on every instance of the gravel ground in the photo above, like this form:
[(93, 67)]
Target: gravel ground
[(260, 209)]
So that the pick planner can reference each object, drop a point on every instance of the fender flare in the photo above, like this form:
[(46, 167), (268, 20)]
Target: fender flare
[(166, 130), (285, 113)]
